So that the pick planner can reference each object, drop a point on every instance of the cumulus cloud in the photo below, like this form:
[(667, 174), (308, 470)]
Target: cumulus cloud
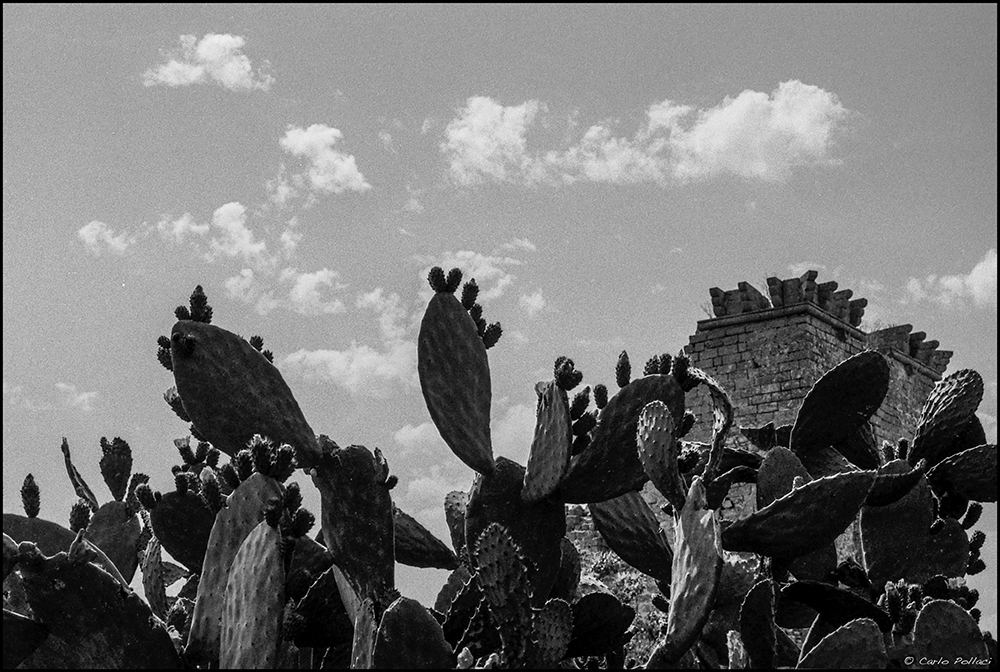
[(520, 244), (75, 398), (532, 304), (99, 237), (360, 369), (215, 59), (306, 293), (755, 135), (329, 171), (486, 140), (978, 287), (181, 229), (234, 238), (513, 430)]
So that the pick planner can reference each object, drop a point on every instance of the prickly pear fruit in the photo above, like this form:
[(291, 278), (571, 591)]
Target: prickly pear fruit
[(232, 392), (254, 599), (550, 448), (455, 380), (631, 530)]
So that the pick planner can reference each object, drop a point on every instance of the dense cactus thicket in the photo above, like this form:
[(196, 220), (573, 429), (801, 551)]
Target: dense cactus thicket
[(248, 586)]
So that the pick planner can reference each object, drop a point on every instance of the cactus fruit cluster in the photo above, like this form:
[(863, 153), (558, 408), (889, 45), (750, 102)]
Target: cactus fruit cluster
[(248, 587)]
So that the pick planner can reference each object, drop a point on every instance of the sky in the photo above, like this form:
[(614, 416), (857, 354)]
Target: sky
[(596, 169)]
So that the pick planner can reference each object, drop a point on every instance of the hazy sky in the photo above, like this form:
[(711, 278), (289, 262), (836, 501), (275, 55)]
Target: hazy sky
[(595, 168)]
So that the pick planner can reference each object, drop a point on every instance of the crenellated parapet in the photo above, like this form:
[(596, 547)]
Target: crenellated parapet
[(785, 293)]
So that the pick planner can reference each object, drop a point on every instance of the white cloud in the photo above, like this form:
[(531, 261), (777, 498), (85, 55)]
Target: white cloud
[(488, 270), (754, 136), (417, 438), (978, 286), (180, 229), (235, 239), (520, 244), (393, 319), (486, 140), (513, 431), (532, 303), (99, 237), (305, 298), (799, 268), (214, 59), (360, 369), (330, 171), (76, 399)]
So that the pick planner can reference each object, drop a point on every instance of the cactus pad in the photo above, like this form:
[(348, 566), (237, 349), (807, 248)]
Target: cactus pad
[(857, 644), (946, 414), (454, 515), (808, 517), (836, 606), (631, 530), (183, 522), (610, 465), (115, 528), (416, 546), (455, 380), (658, 451), (232, 392), (757, 625), (409, 638), (255, 596), (945, 631), (971, 473), (600, 625), (550, 448)]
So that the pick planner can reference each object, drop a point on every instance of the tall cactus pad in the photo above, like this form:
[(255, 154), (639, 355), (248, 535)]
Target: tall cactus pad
[(945, 631), (115, 528), (568, 576), (504, 582), (455, 379), (183, 521), (857, 644), (632, 531), (232, 526), (696, 572), (840, 403), (154, 585), (417, 547), (946, 414), (255, 596), (610, 465), (946, 553), (365, 626), (322, 615), (410, 639), (83, 490), (757, 625), (806, 518), (658, 451), (232, 392), (537, 529), (971, 473), (116, 466), (777, 474), (454, 514), (92, 621), (893, 537), (553, 630), (357, 516), (550, 448)]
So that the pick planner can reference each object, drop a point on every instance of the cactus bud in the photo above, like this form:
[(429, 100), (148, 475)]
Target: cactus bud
[(272, 514), (284, 463), (492, 334), (476, 312), (976, 614), (391, 482), (952, 505), (600, 396), (976, 566), (181, 313), (184, 448), (976, 541), (453, 281), (302, 522), (212, 456), (268, 355), (229, 475), (293, 497), (579, 405), (887, 452), (470, 292), (181, 482), (566, 375), (244, 464), (257, 342), (971, 596), (261, 449), (200, 310), (586, 423), (437, 280), (210, 490), (679, 370), (972, 515), (580, 443), (134, 482), (163, 353), (936, 587), (144, 495), (177, 616), (666, 362), (652, 366), (623, 370), (79, 515), (201, 452), (30, 497), (687, 422)]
